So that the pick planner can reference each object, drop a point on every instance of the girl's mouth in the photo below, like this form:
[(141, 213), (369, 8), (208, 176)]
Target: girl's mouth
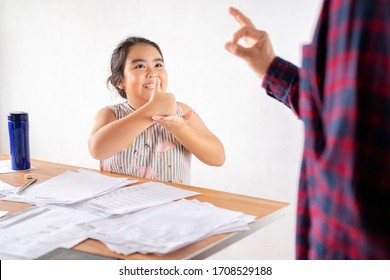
[(149, 86)]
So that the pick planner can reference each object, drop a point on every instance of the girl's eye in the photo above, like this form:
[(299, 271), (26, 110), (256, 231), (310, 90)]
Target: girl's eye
[(139, 66), (159, 65)]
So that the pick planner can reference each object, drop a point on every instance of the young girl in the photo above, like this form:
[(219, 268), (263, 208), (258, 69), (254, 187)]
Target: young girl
[(150, 135)]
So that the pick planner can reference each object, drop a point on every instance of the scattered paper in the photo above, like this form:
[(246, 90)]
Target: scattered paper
[(165, 228), (70, 187), (135, 198), (3, 213), (35, 231), (145, 218), (6, 189)]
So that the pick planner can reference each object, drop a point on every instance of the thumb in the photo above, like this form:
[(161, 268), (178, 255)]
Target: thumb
[(156, 87), (187, 116), (237, 50)]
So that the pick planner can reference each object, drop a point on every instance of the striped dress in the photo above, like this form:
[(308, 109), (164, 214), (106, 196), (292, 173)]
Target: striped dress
[(154, 154)]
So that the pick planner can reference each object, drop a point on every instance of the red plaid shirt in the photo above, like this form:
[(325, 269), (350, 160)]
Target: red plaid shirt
[(342, 94)]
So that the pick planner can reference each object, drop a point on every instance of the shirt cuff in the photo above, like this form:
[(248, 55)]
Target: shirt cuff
[(281, 81)]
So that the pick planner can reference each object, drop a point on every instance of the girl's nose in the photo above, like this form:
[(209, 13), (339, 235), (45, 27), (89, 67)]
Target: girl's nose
[(152, 75)]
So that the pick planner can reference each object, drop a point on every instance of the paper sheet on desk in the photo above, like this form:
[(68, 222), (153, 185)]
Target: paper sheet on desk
[(3, 213), (70, 187), (38, 230), (135, 198), (165, 228), (6, 188), (5, 166)]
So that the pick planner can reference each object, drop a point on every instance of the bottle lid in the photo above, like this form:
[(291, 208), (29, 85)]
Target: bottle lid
[(18, 116)]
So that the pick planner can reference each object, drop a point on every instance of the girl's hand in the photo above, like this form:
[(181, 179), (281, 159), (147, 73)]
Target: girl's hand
[(174, 123), (161, 103)]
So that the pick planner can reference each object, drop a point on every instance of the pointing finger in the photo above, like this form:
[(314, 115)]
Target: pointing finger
[(241, 18)]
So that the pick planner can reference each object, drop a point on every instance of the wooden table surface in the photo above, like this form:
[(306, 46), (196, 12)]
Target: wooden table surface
[(265, 210)]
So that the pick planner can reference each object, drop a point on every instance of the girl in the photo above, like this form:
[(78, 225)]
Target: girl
[(150, 135)]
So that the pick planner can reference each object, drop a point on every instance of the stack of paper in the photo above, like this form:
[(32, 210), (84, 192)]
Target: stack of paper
[(143, 218), (38, 230), (135, 198), (165, 228), (70, 187)]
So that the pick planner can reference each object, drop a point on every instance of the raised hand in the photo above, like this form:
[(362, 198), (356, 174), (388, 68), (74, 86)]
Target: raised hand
[(161, 103), (258, 52)]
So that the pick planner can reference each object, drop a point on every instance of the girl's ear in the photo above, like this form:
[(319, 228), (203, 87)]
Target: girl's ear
[(120, 85)]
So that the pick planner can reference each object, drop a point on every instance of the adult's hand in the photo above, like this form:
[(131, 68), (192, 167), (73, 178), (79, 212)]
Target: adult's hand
[(258, 52)]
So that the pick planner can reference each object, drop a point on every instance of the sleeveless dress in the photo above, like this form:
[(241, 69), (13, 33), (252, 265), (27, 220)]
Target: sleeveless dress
[(154, 154)]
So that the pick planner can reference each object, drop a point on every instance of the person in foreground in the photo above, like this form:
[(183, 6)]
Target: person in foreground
[(342, 94), (149, 135)]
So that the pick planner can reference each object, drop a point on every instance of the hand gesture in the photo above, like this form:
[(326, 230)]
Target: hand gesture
[(258, 52), (161, 103), (174, 123)]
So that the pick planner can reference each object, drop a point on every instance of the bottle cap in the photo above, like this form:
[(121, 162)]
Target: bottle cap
[(18, 116)]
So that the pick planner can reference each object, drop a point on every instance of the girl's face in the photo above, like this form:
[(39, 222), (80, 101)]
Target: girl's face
[(144, 65)]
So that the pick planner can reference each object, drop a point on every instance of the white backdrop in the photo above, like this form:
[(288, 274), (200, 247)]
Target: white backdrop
[(54, 61)]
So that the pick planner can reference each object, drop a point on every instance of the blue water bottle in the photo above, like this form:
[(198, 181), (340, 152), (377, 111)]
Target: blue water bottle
[(19, 140)]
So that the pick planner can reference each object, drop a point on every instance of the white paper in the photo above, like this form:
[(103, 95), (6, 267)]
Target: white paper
[(6, 188), (38, 230), (5, 166), (135, 198), (70, 187), (162, 229), (3, 213)]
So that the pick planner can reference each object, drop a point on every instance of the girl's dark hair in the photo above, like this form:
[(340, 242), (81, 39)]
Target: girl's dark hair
[(118, 60)]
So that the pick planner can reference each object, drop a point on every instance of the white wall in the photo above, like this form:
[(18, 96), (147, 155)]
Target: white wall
[(54, 60)]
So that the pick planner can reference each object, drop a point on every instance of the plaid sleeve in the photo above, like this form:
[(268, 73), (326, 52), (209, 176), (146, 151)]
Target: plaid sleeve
[(282, 83)]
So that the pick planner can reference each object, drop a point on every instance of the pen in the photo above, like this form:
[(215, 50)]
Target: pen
[(25, 186)]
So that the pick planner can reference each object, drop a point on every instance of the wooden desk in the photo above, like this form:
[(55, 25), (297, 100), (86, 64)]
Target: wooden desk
[(265, 210)]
